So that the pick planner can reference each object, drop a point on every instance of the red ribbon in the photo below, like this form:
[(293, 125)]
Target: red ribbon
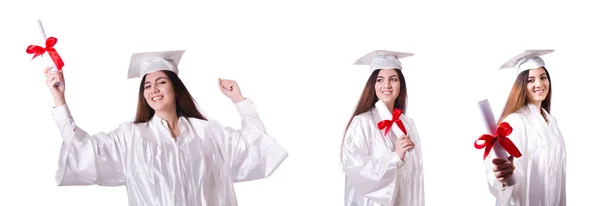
[(503, 130), (39, 51), (387, 124)]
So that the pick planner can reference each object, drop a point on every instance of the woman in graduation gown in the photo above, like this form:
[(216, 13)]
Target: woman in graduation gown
[(540, 173), (171, 154), (381, 150)]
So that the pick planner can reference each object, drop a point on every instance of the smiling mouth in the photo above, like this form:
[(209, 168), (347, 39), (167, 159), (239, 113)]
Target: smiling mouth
[(387, 92), (157, 98), (538, 91)]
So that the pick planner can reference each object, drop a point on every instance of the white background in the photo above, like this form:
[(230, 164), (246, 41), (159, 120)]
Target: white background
[(294, 59)]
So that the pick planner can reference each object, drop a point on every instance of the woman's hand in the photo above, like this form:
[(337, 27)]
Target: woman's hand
[(503, 169), (403, 144), (56, 83), (231, 90)]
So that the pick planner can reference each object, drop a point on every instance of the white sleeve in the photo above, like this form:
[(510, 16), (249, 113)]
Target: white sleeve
[(89, 159), (250, 152)]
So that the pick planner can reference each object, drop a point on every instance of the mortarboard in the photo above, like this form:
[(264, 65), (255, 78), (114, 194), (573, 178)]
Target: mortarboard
[(148, 62), (383, 59), (529, 59)]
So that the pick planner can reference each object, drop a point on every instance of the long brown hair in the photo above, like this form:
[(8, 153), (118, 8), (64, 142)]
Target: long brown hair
[(517, 98), (369, 98), (184, 102)]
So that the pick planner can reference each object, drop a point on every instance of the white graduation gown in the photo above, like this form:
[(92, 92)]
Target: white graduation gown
[(198, 168), (540, 172), (375, 174)]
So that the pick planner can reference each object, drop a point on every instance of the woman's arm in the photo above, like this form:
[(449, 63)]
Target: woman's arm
[(90, 159), (250, 152), (518, 137)]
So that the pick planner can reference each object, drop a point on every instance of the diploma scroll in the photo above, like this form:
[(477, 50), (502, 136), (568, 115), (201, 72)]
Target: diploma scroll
[(485, 112), (385, 114), (44, 49)]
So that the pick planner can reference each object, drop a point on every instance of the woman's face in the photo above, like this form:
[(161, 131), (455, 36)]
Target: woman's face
[(159, 92), (387, 86), (537, 86)]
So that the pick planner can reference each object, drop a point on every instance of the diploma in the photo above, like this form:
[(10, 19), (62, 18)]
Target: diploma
[(385, 114), (487, 116), (42, 42), (46, 46)]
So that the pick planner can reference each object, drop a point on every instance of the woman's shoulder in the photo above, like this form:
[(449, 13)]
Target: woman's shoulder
[(130, 125), (206, 125), (363, 117), (198, 121), (516, 118), (410, 122), (549, 116), (404, 116), (362, 122), (199, 125)]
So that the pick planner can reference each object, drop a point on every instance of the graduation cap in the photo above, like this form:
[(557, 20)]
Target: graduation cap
[(148, 62), (529, 59), (383, 59)]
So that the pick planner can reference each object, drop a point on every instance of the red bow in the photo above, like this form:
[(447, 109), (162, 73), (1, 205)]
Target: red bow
[(504, 129), (387, 124), (38, 51)]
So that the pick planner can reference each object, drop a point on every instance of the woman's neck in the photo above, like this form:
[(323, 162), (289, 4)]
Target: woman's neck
[(390, 106), (537, 104)]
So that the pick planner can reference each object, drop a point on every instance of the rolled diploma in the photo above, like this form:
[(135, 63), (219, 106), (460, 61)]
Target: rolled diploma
[(47, 61), (386, 114), (488, 117)]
